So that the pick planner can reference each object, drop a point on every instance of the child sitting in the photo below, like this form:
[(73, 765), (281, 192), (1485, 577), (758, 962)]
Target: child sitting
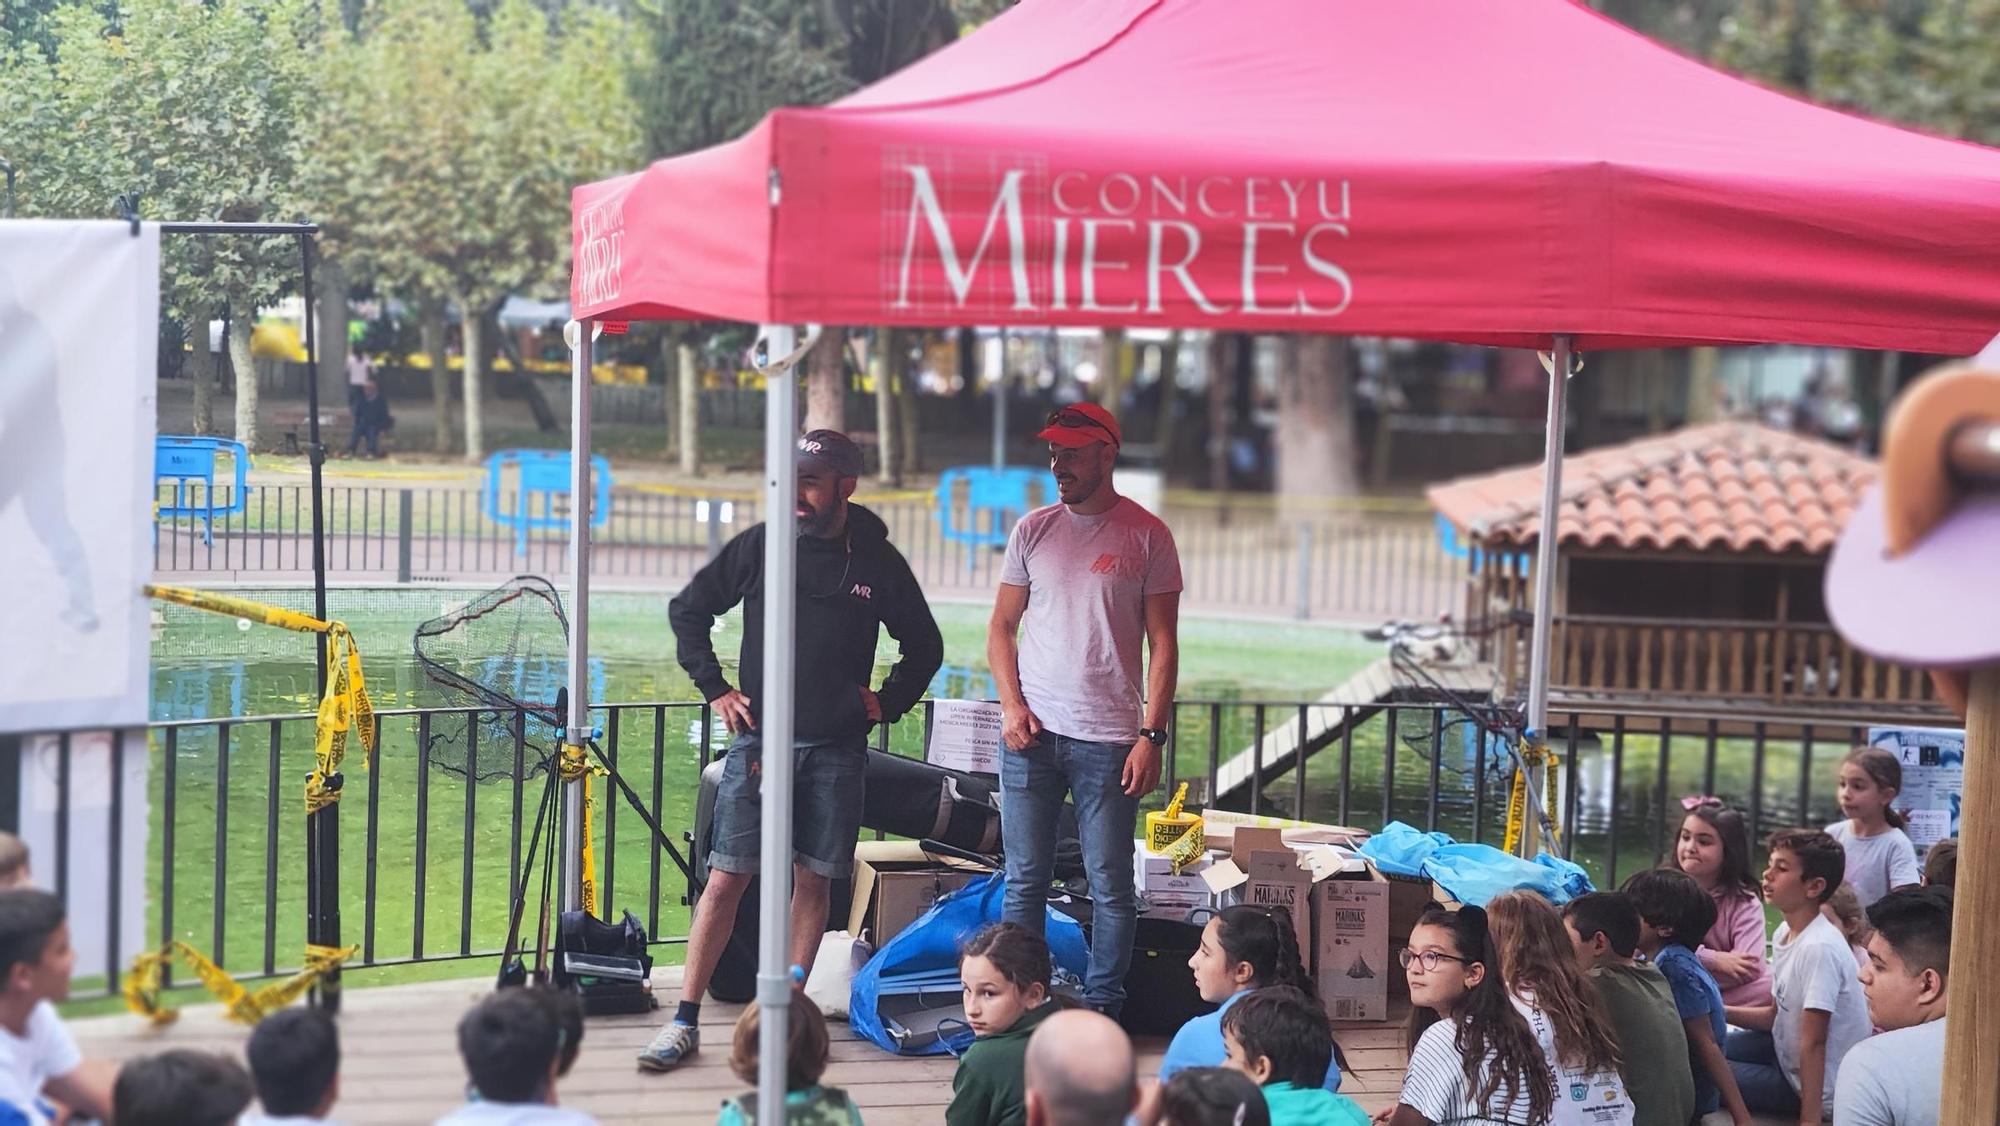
[(1279, 1037), (14, 871), (808, 1048), (1673, 915), (1845, 908), (37, 1056), (1941, 864), (1212, 1096), (1819, 1011), (1005, 970), (1242, 948), (1473, 1059), (1714, 850), (295, 1057), (512, 1049), (181, 1088), (1604, 926), (1538, 965)]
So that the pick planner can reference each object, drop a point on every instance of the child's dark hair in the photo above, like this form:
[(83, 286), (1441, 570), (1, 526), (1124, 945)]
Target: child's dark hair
[(1264, 938), (807, 1050), (1941, 863), (1287, 1026), (1021, 955), (1673, 904), (510, 1043), (1885, 770), (29, 917), (1212, 1096), (1739, 873), (1609, 913), (1487, 1024), (1916, 923), (294, 1055), (180, 1088), (1820, 857), (566, 1009)]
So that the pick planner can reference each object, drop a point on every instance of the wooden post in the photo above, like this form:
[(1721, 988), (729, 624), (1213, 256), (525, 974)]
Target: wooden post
[(1971, 1081)]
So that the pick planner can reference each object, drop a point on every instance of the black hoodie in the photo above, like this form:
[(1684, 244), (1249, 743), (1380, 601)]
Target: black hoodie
[(847, 587)]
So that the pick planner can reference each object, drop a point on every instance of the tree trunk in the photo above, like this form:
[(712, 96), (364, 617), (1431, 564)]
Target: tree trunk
[(330, 315), (910, 460), (1315, 433), (1704, 404), (1222, 348), (886, 369), (1163, 424), (826, 382), (475, 379), (687, 385), (240, 320), (1111, 369), (207, 362), (433, 331)]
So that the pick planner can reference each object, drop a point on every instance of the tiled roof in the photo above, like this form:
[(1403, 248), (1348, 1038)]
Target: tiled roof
[(1731, 486)]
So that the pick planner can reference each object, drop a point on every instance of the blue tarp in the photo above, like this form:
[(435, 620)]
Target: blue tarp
[(1472, 873)]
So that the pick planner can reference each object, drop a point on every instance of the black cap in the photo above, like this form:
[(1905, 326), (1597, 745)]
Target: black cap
[(830, 449)]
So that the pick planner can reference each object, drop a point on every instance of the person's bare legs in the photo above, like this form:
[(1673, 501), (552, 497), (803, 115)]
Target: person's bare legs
[(708, 932), (811, 894)]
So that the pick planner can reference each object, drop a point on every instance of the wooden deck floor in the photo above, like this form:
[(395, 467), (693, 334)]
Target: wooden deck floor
[(400, 1060)]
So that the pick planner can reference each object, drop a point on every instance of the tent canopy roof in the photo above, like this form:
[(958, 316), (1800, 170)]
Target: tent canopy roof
[(1482, 172)]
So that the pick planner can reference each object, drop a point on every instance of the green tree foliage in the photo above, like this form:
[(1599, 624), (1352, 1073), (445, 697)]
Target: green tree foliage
[(191, 104), (1925, 63)]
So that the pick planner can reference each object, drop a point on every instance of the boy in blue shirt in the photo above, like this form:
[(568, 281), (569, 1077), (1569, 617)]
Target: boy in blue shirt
[(1674, 914)]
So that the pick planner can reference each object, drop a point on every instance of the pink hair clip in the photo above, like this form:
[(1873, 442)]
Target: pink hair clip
[(1696, 801)]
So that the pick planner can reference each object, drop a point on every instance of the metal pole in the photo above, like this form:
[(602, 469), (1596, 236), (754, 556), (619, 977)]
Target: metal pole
[(1545, 580), (774, 985), (1000, 407), (323, 875), (579, 732)]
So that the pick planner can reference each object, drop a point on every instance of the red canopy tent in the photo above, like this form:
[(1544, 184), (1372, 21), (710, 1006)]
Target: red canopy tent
[(1526, 173)]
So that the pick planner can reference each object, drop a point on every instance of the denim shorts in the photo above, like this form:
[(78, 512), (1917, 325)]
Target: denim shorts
[(829, 781)]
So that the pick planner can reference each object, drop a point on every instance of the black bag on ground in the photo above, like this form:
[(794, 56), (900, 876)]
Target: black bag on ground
[(1160, 994)]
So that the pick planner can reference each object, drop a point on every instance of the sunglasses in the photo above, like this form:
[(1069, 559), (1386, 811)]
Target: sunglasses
[(1073, 419)]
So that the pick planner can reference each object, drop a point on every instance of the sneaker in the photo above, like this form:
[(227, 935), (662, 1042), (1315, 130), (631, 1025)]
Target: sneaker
[(675, 1043)]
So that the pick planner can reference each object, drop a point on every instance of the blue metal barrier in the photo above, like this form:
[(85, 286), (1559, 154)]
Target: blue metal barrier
[(185, 461), (541, 476), (1002, 495)]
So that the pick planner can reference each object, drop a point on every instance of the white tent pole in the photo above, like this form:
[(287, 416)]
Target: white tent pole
[(582, 335), (774, 984), (1545, 583)]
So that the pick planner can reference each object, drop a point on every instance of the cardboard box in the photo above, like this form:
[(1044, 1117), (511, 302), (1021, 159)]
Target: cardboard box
[(896, 881), (1351, 959), (1263, 871), (1219, 828)]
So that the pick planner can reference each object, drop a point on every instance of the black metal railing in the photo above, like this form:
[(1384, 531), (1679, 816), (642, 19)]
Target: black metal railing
[(224, 862), (1353, 566)]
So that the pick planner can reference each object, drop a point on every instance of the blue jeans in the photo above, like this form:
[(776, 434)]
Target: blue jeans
[(1753, 1059), (1032, 784)]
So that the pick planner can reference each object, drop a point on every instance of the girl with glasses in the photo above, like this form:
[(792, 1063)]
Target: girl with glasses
[(1473, 1059)]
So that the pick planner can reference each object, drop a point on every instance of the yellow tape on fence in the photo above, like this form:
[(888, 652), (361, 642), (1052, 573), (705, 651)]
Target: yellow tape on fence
[(345, 708), (143, 983), (1533, 757)]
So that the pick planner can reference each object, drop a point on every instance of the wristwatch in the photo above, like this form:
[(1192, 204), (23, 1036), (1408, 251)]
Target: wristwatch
[(1157, 736)]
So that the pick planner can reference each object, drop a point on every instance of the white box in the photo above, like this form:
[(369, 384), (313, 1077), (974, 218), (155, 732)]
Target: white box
[(1170, 896)]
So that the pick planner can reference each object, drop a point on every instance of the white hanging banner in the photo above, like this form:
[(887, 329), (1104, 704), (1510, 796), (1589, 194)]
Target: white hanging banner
[(79, 338)]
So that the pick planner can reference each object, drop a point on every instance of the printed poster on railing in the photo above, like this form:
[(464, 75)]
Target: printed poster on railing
[(965, 735), (1933, 776), (79, 336)]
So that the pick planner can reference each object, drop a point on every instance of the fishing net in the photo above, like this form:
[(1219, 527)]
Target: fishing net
[(505, 657)]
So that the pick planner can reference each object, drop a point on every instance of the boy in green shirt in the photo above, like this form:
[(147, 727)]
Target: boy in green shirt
[(1604, 926), (1280, 1038)]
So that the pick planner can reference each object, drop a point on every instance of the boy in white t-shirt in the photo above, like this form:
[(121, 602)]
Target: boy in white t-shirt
[(512, 1044), (1820, 1012), (38, 1059)]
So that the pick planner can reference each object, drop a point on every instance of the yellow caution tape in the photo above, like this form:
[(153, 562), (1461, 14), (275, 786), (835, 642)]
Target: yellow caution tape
[(1174, 834), (574, 766), (344, 709), (1533, 756), (142, 986)]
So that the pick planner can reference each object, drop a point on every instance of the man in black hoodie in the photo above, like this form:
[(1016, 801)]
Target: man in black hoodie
[(850, 583)]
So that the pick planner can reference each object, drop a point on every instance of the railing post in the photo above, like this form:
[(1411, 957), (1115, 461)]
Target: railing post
[(406, 506), (1303, 609)]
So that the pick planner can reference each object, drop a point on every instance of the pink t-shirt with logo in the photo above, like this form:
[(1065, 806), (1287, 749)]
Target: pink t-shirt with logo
[(1084, 633)]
